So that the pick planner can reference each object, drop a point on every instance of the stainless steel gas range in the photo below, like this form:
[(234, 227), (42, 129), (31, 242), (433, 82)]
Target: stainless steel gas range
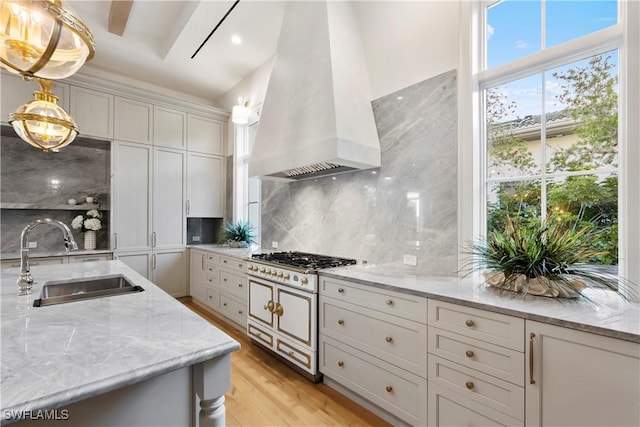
[(283, 305)]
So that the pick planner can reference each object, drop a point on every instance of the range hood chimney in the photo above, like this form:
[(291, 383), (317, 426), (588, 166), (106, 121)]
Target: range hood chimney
[(316, 118)]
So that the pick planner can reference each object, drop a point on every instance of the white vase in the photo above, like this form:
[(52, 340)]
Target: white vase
[(89, 240)]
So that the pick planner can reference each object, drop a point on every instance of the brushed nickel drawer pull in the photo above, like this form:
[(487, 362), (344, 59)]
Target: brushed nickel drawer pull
[(239, 285), (469, 385), (240, 312), (224, 280), (341, 363), (341, 290), (469, 354), (340, 322), (531, 337), (224, 304), (469, 323), (389, 339), (389, 302), (389, 389)]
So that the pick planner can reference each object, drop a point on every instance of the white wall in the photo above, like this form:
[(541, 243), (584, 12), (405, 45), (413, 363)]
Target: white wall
[(405, 42)]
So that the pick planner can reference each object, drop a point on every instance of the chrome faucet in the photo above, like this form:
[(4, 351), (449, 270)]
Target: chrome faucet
[(25, 281)]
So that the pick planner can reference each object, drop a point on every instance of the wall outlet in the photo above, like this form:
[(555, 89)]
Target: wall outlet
[(196, 238), (410, 260), (274, 245), (33, 245)]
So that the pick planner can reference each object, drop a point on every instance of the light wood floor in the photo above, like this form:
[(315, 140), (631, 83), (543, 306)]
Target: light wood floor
[(265, 392)]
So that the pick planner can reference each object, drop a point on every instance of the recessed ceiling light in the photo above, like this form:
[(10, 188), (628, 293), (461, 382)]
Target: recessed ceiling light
[(236, 39)]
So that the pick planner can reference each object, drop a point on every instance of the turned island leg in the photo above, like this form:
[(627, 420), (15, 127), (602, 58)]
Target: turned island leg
[(211, 379)]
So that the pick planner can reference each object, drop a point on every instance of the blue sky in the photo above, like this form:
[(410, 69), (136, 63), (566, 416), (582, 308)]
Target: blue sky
[(514, 32)]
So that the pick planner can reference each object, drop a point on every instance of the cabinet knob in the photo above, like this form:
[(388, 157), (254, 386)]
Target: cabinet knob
[(290, 354), (239, 265), (389, 302), (389, 339), (389, 389), (341, 290), (340, 363), (240, 312), (469, 354), (239, 285), (224, 261), (340, 322), (469, 323), (224, 280), (469, 385), (224, 304)]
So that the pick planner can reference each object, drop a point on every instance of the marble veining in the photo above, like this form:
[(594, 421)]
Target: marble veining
[(56, 355), (407, 206), (607, 314)]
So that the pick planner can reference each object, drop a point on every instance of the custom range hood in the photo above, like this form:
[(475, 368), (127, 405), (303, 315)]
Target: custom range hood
[(316, 118)]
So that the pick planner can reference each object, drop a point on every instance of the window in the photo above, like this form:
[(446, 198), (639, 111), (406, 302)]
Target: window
[(552, 126), (246, 190)]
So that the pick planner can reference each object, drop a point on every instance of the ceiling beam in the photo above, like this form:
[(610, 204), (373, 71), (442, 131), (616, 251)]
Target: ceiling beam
[(119, 15)]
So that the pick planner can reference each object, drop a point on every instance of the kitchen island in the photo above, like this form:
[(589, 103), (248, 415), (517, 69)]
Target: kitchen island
[(134, 359)]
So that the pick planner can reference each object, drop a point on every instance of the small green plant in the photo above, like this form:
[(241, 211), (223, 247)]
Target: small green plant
[(544, 258), (237, 234)]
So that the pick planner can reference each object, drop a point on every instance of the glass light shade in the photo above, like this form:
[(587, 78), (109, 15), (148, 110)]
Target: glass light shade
[(43, 39), (43, 123), (240, 115)]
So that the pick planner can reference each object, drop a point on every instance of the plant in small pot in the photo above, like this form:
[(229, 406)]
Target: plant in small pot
[(547, 258), (237, 235)]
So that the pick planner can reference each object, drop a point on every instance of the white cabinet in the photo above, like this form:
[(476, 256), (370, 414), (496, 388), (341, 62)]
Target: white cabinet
[(131, 196), (17, 92), (168, 198), (133, 121), (140, 262), (197, 275), (92, 111), (205, 190), (169, 271), (205, 135), (577, 378), (169, 128), (364, 329)]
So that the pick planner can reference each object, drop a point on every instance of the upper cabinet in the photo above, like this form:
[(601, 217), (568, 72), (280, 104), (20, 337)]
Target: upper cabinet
[(17, 92), (92, 111), (205, 135), (133, 121), (169, 128)]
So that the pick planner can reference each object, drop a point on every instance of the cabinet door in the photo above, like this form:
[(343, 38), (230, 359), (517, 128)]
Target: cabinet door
[(140, 262), (197, 275), (169, 271), (92, 112), (133, 121), (581, 379), (205, 135), (261, 297), (204, 186), (169, 128), (168, 198), (131, 196), (17, 92), (294, 311)]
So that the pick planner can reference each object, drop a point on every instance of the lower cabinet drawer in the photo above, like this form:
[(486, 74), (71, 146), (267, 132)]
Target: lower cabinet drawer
[(233, 309), (234, 284), (262, 335), (489, 391), (393, 389), (448, 409), (482, 356), (212, 298), (301, 356)]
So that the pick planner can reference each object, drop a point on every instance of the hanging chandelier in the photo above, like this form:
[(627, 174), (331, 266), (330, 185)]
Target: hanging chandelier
[(43, 38), (42, 122)]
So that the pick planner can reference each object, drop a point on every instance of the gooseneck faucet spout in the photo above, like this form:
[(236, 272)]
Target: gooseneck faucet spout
[(25, 280)]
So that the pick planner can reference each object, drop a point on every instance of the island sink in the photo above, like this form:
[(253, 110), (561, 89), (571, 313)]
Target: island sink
[(59, 292)]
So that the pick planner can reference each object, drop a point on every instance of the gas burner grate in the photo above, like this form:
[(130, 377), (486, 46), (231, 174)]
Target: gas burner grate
[(304, 260)]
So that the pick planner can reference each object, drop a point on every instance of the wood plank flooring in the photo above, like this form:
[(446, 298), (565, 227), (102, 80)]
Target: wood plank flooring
[(265, 392)]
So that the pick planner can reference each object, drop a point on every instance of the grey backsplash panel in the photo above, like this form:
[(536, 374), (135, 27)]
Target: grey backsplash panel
[(46, 180), (408, 206)]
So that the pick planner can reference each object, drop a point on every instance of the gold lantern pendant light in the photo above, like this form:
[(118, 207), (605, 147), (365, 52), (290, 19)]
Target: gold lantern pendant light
[(43, 38), (42, 122)]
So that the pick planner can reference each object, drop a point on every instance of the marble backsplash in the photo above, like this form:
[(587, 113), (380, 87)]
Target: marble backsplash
[(35, 185), (406, 207)]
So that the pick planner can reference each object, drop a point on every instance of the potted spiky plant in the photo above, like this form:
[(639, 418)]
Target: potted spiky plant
[(546, 258), (237, 235)]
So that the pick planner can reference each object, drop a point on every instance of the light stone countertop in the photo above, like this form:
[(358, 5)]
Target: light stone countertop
[(56, 355), (6, 256), (608, 314), (226, 250)]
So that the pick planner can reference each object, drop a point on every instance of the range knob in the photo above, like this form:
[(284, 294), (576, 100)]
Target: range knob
[(286, 276), (268, 271), (304, 280), (261, 269), (280, 275), (250, 267), (274, 273)]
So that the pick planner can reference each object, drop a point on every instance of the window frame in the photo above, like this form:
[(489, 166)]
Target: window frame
[(472, 81)]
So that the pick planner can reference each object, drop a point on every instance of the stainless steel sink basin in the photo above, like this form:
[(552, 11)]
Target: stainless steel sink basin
[(58, 292)]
